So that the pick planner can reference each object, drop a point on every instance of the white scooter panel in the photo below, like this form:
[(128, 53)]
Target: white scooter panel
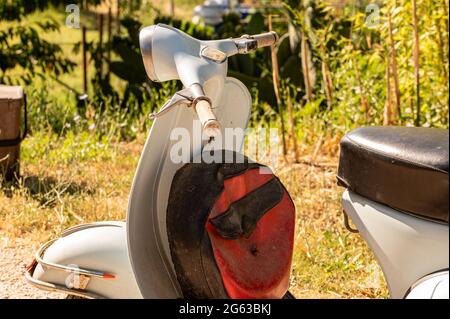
[(146, 223)]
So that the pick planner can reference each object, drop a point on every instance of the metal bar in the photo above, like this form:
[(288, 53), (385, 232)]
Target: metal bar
[(347, 224), (79, 227)]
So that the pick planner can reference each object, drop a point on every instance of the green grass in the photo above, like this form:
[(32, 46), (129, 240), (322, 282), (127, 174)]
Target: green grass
[(83, 177), (329, 261), (65, 181)]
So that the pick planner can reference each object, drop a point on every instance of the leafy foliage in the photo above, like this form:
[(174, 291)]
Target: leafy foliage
[(22, 46), (351, 57), (347, 65), (17, 9)]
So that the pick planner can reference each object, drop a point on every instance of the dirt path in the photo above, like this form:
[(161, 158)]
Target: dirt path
[(14, 255)]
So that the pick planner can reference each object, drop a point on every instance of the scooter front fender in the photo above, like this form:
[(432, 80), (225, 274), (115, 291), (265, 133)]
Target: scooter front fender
[(88, 261)]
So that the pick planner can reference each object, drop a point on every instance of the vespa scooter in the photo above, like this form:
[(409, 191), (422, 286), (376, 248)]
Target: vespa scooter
[(132, 259)]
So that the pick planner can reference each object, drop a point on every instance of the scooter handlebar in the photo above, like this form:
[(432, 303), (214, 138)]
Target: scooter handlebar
[(210, 125), (249, 43), (265, 39)]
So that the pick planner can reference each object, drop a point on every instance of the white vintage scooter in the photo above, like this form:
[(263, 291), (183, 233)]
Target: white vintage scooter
[(132, 259), (396, 180)]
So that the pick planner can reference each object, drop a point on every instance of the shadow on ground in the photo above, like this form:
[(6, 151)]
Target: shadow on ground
[(46, 190)]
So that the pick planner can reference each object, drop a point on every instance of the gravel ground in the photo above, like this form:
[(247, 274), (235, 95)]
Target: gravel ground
[(15, 254)]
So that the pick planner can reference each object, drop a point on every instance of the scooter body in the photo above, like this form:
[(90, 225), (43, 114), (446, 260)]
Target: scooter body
[(136, 253), (396, 181), (412, 252), (132, 259)]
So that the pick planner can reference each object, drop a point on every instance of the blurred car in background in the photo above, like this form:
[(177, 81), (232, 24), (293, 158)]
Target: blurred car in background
[(212, 11)]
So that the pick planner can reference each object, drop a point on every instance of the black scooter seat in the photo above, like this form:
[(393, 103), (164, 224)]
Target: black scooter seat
[(405, 168)]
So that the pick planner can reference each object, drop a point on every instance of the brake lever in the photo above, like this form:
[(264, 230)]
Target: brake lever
[(246, 44), (250, 43), (181, 97)]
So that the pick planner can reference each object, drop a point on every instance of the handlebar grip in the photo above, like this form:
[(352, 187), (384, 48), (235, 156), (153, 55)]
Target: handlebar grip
[(265, 39), (210, 125)]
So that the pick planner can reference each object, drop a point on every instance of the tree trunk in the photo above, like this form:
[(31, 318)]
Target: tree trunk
[(306, 67), (83, 49), (416, 62), (441, 47), (394, 68), (172, 8), (387, 107), (292, 125), (328, 84), (118, 17), (444, 5), (130, 6), (276, 79), (108, 48), (364, 100), (100, 45), (326, 75)]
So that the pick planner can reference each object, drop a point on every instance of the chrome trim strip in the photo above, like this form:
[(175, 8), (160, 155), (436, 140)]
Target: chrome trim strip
[(58, 288), (79, 227), (87, 272), (40, 253)]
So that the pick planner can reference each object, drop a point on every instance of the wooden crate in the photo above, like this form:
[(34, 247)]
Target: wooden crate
[(12, 100)]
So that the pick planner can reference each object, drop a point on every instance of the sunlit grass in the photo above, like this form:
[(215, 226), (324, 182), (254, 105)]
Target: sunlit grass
[(65, 181), (83, 178), (329, 261)]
